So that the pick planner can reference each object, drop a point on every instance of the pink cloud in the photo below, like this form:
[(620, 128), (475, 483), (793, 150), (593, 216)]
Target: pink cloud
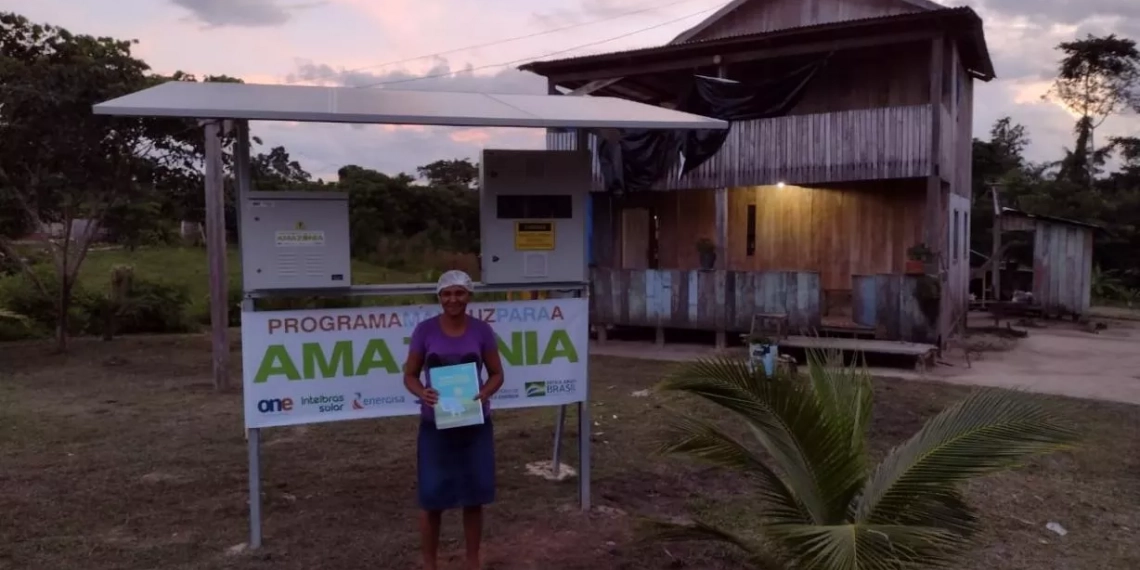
[(471, 136)]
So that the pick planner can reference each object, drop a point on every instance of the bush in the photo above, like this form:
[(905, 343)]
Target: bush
[(153, 307), (21, 296), (11, 266), (148, 307)]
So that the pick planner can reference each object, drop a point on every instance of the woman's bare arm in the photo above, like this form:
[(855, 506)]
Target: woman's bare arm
[(494, 364), (412, 368)]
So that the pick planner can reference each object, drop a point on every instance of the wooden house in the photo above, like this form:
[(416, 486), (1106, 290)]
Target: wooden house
[(812, 208)]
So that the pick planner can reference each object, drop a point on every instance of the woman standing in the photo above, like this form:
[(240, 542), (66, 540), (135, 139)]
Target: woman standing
[(456, 466)]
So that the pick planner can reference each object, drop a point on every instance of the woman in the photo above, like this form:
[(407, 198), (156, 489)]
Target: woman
[(456, 466)]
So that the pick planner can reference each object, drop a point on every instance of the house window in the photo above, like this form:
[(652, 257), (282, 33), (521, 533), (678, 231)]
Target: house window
[(954, 238), (965, 236), (750, 242)]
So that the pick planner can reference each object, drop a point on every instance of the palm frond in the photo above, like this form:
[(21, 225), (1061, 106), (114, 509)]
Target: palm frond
[(811, 447), (945, 509), (846, 392), (989, 431), (868, 547), (705, 441), (699, 532)]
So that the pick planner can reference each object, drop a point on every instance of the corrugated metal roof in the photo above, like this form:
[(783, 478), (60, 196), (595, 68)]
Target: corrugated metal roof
[(731, 41), (1054, 219)]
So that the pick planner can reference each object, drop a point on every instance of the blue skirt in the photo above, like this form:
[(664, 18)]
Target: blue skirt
[(455, 467)]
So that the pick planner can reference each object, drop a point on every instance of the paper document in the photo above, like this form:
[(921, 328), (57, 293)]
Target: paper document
[(457, 386)]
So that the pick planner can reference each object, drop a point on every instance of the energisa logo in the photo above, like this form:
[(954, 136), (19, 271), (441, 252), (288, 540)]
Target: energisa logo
[(361, 403)]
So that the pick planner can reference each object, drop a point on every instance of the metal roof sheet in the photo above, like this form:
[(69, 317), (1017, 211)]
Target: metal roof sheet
[(784, 34), (382, 106)]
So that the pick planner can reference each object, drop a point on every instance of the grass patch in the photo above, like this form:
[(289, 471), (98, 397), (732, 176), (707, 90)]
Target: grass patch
[(187, 267), (119, 455)]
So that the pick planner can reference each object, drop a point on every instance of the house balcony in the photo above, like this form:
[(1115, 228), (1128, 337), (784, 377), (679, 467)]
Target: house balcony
[(864, 144)]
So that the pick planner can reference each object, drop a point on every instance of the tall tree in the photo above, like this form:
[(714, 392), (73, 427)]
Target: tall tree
[(458, 173), (61, 163), (997, 162), (1097, 77)]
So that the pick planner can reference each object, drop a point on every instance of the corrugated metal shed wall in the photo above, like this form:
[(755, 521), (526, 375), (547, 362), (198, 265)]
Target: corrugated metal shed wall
[(1062, 267)]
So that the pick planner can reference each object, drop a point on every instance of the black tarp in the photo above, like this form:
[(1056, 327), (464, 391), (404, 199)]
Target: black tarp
[(642, 157)]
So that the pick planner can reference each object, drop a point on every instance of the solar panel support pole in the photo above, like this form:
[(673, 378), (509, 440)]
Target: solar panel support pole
[(216, 251)]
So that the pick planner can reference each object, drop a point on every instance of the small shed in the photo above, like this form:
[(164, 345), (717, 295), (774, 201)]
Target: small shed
[(1062, 259)]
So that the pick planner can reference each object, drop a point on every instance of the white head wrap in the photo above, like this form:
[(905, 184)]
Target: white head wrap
[(453, 278)]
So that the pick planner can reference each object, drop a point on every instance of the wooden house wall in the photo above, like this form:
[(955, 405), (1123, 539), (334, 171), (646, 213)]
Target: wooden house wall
[(836, 231), (865, 144), (963, 166), (871, 78), (892, 305), (765, 16), (702, 300)]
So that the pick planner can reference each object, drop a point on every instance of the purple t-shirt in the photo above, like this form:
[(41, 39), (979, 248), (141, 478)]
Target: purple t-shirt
[(439, 349)]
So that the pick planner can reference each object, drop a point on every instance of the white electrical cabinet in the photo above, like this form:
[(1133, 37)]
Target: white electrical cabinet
[(533, 216), (295, 240)]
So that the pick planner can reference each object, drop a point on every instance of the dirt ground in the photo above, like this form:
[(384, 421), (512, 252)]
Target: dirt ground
[(120, 456), (1055, 358)]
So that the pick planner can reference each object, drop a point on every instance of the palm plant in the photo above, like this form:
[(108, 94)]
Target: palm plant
[(822, 503)]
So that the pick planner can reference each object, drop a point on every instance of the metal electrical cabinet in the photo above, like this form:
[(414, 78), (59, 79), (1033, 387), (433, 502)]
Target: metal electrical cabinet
[(533, 216), (295, 240)]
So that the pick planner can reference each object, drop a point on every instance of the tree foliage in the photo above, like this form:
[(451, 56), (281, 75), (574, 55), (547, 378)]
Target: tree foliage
[(822, 502), (60, 162), (1096, 78)]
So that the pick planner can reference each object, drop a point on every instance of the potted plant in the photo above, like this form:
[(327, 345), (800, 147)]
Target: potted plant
[(762, 352), (706, 249), (916, 259)]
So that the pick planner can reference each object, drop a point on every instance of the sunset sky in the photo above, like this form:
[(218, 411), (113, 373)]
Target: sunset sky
[(355, 42)]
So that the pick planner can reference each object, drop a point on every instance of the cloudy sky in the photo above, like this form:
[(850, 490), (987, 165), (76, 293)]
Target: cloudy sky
[(374, 42)]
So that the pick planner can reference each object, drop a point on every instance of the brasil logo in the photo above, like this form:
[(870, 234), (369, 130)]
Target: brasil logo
[(535, 389)]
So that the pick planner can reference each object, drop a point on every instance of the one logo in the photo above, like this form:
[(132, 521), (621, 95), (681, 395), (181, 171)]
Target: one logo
[(275, 405), (535, 389), (300, 225), (362, 403)]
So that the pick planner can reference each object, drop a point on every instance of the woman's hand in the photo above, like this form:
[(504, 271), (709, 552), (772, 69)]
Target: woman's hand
[(430, 397)]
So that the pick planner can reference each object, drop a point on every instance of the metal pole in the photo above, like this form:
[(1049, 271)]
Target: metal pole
[(584, 428), (216, 252), (584, 451), (241, 169), (254, 488), (556, 464), (995, 256), (253, 436)]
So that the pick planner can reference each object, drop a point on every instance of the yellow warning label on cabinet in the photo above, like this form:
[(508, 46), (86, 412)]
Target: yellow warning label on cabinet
[(534, 236)]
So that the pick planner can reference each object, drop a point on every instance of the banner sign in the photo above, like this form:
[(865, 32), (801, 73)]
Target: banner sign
[(303, 367)]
